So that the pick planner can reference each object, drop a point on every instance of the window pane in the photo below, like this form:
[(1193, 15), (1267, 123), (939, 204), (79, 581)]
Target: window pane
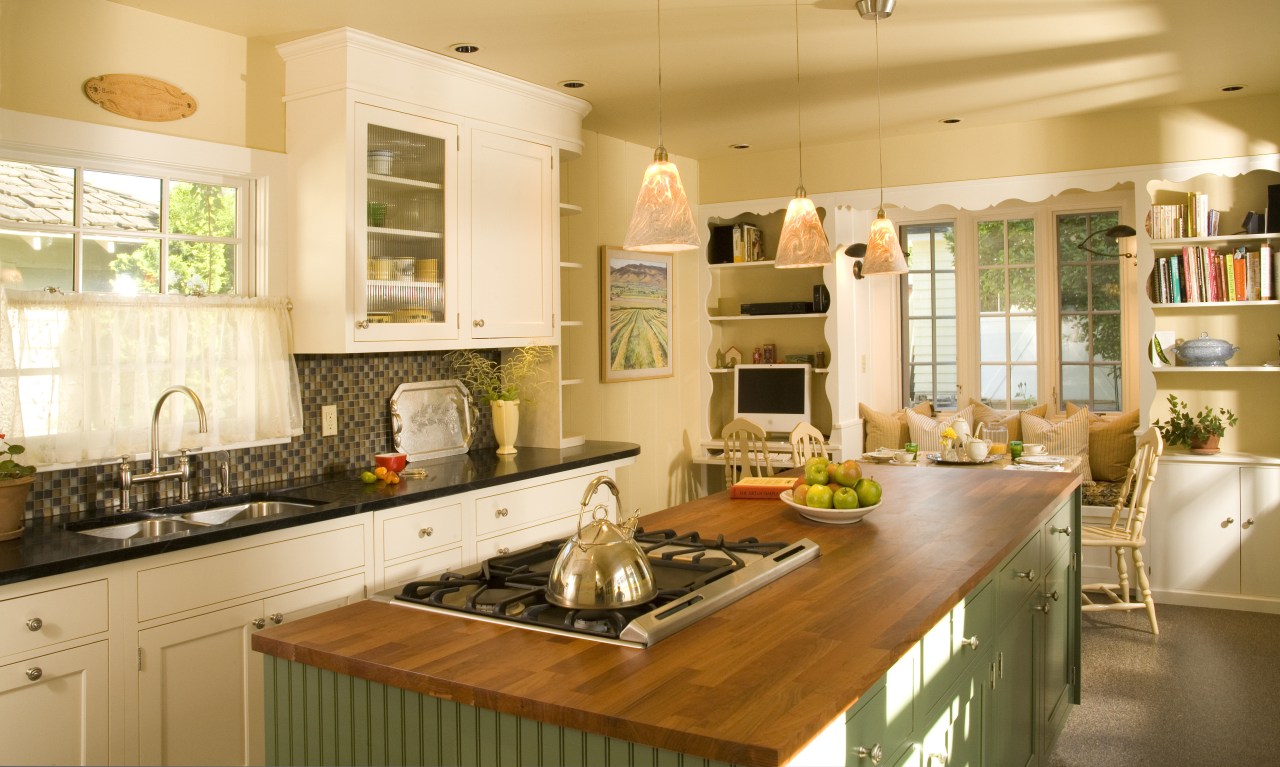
[(1022, 289), (118, 265), (1106, 287), (36, 260), (1075, 383), (991, 246), (918, 242), (919, 341), (1072, 230), (37, 194), (201, 267), (1022, 339), (1073, 287), (121, 202), (992, 339), (991, 291), (1022, 241), (946, 387), (202, 209), (1024, 380), (919, 295), (1075, 338), (1106, 338), (1106, 388), (944, 246), (920, 383), (945, 301), (995, 383), (945, 343)]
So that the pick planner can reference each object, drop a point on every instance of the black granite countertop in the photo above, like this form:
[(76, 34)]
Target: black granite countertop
[(47, 547)]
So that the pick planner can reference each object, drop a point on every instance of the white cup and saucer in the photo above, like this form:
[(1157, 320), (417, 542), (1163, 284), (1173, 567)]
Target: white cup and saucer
[(902, 457), (1033, 448)]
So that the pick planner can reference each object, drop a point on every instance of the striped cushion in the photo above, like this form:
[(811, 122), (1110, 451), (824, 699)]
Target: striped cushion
[(887, 429), (982, 413), (1111, 443), (926, 432), (1067, 437)]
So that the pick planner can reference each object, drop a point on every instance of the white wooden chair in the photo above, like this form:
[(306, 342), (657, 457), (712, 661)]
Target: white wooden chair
[(746, 453), (1125, 534), (807, 442)]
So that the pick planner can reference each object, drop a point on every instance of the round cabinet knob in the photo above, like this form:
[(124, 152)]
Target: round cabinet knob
[(1063, 530), (477, 323), (35, 624), (971, 642), (277, 618), (363, 324), (1044, 608), (1229, 521), (501, 512), (1052, 595), (875, 753), (34, 673), (504, 550), (426, 532), (1029, 575), (259, 622), (1248, 523)]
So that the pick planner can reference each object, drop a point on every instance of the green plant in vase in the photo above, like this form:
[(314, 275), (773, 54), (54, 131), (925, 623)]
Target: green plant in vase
[(1199, 432), (15, 484), (500, 384)]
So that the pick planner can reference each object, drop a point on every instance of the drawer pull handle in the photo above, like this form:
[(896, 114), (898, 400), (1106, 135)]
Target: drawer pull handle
[(259, 622), (938, 759), (501, 512), (34, 673), (971, 642), (363, 324), (1052, 595), (504, 550), (426, 532), (35, 624), (1248, 523), (277, 618), (1029, 575), (875, 753), (1064, 530), (477, 323), (1044, 608)]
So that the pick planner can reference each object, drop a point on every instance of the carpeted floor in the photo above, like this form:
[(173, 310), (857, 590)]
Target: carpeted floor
[(1206, 691)]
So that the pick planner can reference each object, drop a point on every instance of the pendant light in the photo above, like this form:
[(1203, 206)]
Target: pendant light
[(884, 252), (803, 241), (662, 221)]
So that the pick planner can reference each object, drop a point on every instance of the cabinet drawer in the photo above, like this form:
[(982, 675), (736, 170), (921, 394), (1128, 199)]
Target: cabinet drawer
[(208, 580), (1058, 533), (945, 651), (1016, 579), (402, 572), (519, 539), (49, 617), (878, 727), (55, 707), (518, 508), (421, 530)]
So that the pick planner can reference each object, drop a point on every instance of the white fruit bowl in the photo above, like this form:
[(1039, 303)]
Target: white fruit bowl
[(828, 516)]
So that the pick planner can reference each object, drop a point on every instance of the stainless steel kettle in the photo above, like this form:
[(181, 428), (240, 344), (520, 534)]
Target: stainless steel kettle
[(601, 567)]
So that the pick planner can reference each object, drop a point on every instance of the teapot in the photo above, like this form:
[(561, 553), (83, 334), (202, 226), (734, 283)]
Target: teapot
[(977, 449), (961, 428), (601, 567)]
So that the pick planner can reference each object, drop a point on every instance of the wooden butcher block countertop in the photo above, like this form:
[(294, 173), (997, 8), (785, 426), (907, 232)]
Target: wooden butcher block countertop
[(750, 684)]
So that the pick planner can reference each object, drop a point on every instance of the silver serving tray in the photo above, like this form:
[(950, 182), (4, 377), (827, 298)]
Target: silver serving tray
[(430, 419)]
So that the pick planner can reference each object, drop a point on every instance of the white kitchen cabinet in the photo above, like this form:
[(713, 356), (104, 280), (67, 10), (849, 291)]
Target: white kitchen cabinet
[(418, 539), (1260, 531), (55, 707), (513, 519)]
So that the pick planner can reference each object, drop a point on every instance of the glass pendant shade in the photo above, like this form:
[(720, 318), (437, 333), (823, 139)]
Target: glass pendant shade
[(803, 241), (884, 253), (662, 221)]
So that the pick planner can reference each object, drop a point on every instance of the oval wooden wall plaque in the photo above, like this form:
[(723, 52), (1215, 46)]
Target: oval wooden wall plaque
[(140, 97)]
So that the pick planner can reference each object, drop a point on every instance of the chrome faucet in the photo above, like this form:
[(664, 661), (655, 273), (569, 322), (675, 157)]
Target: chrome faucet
[(183, 473)]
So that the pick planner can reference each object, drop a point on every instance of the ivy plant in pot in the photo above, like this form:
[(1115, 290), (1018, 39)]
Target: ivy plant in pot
[(15, 483), (1200, 432), (500, 384)]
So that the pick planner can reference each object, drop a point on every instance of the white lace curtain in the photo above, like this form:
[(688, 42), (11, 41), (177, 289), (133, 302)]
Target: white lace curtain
[(80, 373)]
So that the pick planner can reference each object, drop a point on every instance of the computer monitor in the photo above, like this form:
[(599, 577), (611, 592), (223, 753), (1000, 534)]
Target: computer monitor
[(774, 396)]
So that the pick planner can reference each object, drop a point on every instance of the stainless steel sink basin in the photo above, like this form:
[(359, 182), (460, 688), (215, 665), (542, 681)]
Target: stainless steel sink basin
[(220, 515), (142, 528)]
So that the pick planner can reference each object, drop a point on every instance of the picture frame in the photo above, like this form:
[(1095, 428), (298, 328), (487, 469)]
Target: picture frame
[(636, 291)]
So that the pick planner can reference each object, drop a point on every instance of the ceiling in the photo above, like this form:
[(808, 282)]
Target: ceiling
[(729, 66)]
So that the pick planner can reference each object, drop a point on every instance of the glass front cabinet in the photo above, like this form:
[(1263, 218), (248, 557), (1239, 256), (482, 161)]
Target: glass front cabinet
[(404, 263)]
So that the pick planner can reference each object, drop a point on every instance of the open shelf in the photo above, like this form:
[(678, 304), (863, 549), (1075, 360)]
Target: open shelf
[(1218, 369), (569, 209), (1213, 304), (739, 317)]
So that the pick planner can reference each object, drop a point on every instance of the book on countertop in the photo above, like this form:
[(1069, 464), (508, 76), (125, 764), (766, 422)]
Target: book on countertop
[(760, 487)]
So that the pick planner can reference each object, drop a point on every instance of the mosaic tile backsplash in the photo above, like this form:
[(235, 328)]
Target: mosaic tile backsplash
[(360, 385)]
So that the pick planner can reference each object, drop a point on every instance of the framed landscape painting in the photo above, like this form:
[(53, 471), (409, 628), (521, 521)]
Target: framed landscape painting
[(635, 315)]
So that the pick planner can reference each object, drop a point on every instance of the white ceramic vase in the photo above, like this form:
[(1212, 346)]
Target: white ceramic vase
[(506, 423)]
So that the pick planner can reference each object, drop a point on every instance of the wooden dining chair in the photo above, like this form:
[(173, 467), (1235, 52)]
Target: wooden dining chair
[(746, 453), (807, 442), (1125, 535)]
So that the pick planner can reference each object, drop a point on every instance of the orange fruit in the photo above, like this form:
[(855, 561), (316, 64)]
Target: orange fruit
[(380, 472)]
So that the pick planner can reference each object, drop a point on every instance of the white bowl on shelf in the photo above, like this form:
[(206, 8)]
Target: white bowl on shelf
[(828, 516)]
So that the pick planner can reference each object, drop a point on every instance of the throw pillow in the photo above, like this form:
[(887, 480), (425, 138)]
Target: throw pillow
[(1069, 436), (1111, 443), (993, 418), (887, 430), (927, 432)]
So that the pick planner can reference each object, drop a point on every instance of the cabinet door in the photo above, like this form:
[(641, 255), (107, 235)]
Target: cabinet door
[(1193, 528), (954, 737), (1010, 707), (54, 708), (513, 268), (192, 701), (1260, 531), (403, 265), (1058, 673)]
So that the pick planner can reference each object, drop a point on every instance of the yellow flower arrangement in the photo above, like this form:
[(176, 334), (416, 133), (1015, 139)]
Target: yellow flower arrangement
[(948, 433)]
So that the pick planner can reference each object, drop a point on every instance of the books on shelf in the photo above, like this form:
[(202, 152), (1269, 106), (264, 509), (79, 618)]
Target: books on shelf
[(1193, 219), (760, 487), (1203, 274)]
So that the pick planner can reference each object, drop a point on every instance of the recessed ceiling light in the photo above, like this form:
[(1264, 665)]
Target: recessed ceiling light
[(573, 84), (464, 48), (1232, 88), (739, 146), (949, 120)]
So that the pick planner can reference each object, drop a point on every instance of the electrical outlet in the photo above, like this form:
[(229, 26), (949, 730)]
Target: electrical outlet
[(329, 421)]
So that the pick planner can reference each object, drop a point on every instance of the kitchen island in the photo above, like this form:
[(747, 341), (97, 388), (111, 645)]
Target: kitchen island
[(754, 683)]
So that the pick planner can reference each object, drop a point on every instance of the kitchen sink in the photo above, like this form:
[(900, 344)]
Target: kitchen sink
[(140, 529), (181, 520), (220, 515)]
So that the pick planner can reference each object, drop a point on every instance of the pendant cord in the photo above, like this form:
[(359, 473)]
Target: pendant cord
[(659, 72), (879, 115), (799, 128)]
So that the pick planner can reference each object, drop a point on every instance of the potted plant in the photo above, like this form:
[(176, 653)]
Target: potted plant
[(499, 384), (1200, 432), (15, 483)]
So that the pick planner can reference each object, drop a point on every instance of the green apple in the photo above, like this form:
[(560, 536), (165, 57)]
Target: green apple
[(868, 491), (845, 498), (815, 471), (819, 497), (847, 473)]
